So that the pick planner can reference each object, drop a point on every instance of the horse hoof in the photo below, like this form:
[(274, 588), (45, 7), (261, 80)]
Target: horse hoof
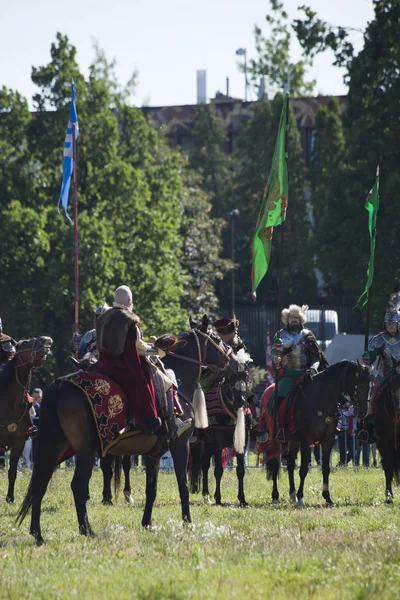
[(39, 541), (207, 500), (128, 498), (300, 502), (9, 500), (243, 505), (275, 502), (330, 503), (293, 498), (107, 502), (388, 500)]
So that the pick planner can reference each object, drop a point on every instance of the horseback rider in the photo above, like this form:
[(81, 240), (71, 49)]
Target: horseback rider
[(7, 347), (385, 346), (88, 343), (294, 351), (124, 356), (228, 331)]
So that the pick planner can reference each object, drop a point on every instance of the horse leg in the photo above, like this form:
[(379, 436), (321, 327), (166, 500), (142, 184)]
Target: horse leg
[(273, 467), (126, 465), (152, 466), (205, 465), (106, 467), (240, 472), (80, 486), (387, 463), (303, 471), (180, 454), (15, 454), (290, 462), (326, 469), (218, 473)]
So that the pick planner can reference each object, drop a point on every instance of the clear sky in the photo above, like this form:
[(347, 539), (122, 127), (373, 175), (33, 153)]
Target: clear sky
[(165, 41)]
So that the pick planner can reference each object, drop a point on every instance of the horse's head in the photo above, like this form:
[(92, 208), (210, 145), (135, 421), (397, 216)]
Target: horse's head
[(32, 353), (357, 385)]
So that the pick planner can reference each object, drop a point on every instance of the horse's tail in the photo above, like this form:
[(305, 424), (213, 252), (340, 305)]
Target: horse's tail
[(117, 474), (195, 472), (273, 468), (46, 461)]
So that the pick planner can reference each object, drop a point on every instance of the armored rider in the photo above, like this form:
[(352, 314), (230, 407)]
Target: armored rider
[(299, 351), (88, 343), (385, 346), (7, 347)]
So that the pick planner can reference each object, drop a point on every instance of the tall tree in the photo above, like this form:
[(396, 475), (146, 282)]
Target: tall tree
[(273, 54)]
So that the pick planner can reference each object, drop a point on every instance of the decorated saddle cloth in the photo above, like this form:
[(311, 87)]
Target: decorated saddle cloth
[(107, 402), (220, 408), (279, 417)]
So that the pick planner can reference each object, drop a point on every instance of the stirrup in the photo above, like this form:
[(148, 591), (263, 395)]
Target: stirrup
[(280, 436), (182, 426), (32, 431)]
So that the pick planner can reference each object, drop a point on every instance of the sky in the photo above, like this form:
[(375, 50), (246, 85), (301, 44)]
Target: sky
[(165, 41)]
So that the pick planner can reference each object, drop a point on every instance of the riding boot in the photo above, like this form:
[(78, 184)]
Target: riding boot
[(175, 425)]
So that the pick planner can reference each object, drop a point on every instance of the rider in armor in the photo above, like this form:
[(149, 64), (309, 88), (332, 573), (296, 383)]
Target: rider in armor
[(227, 330), (88, 343), (385, 346), (294, 351), (7, 347), (124, 356)]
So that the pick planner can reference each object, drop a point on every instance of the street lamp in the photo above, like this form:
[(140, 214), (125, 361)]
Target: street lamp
[(232, 214), (243, 52)]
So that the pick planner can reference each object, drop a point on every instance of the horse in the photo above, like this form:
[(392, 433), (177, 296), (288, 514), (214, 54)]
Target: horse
[(315, 420), (14, 408), (387, 428), (189, 369), (66, 420), (212, 443)]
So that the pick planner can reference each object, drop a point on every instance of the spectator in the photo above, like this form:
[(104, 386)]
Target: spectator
[(345, 437), (37, 396)]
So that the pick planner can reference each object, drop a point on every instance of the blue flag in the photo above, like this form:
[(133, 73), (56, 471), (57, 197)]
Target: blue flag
[(68, 163)]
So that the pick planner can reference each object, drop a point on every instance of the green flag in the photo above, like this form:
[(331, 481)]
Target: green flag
[(372, 205), (274, 205)]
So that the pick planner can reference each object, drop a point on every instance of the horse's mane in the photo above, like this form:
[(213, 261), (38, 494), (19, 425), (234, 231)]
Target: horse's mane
[(7, 373), (335, 369)]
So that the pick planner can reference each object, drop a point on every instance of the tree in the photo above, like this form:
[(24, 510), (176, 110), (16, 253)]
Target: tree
[(372, 129), (273, 54)]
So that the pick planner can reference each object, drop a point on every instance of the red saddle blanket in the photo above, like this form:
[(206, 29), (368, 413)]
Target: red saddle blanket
[(282, 419), (108, 405)]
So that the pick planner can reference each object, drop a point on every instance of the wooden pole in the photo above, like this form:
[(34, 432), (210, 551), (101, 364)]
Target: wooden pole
[(76, 235)]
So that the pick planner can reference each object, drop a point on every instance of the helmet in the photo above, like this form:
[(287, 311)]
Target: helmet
[(392, 313)]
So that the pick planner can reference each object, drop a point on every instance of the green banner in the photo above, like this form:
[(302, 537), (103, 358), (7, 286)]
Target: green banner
[(274, 204), (372, 206)]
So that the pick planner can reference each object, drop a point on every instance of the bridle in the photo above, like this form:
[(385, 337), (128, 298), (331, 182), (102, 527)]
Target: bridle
[(22, 362), (201, 362)]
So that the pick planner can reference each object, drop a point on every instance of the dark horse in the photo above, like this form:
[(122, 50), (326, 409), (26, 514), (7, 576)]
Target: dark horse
[(66, 420), (316, 418), (387, 429), (211, 443), (14, 408)]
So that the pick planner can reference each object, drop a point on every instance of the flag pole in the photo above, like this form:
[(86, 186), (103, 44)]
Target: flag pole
[(76, 233), (367, 324)]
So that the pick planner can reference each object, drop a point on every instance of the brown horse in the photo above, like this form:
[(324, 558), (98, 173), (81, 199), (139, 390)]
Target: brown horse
[(387, 429), (316, 418), (14, 409), (65, 420)]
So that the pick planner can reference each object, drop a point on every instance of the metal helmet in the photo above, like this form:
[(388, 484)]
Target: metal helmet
[(101, 309), (392, 314)]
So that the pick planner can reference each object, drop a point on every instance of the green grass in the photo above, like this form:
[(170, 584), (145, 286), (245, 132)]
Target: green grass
[(350, 551)]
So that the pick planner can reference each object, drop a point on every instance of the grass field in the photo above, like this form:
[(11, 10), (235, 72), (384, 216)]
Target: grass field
[(350, 551)]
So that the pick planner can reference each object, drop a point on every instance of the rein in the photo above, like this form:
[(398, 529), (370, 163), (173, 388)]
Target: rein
[(202, 360)]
